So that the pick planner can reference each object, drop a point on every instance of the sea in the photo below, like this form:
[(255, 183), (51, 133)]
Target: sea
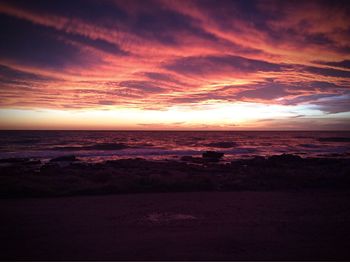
[(97, 146)]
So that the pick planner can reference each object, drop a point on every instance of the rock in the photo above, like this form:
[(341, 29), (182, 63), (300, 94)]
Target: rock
[(69, 158), (258, 160), (32, 162), (186, 158), (191, 159), (223, 144), (49, 168), (128, 163), (14, 160), (285, 158), (212, 156)]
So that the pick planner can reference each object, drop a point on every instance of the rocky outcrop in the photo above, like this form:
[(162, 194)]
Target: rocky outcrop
[(65, 176), (212, 156), (285, 158), (69, 158)]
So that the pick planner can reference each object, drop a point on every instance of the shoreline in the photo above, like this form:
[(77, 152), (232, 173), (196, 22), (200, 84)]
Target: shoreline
[(66, 176)]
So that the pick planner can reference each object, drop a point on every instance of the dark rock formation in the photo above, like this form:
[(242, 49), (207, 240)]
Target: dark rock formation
[(212, 156), (20, 161), (69, 177), (285, 158), (69, 158), (191, 159), (14, 160)]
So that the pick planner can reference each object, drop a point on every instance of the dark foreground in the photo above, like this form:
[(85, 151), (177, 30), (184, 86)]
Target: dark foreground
[(242, 225), (280, 207)]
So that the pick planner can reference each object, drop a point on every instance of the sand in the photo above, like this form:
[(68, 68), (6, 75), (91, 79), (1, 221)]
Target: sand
[(310, 225)]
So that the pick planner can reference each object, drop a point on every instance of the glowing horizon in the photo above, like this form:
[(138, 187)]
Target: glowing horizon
[(175, 65)]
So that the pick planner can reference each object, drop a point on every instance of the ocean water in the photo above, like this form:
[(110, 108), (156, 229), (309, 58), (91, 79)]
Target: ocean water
[(104, 145)]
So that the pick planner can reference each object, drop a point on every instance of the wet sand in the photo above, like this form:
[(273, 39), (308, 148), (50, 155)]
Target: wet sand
[(311, 225)]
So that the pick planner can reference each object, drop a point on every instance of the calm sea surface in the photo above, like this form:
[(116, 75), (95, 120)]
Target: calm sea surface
[(103, 145)]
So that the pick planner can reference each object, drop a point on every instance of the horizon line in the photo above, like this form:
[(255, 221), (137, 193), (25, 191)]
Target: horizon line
[(177, 130)]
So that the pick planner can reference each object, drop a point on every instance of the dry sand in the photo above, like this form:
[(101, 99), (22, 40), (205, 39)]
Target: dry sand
[(178, 226)]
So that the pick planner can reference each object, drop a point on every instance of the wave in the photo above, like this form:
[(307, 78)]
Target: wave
[(157, 145), (309, 145), (103, 146), (222, 144), (334, 139), (139, 152)]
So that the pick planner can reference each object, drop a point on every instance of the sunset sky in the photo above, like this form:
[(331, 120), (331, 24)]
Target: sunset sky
[(178, 65)]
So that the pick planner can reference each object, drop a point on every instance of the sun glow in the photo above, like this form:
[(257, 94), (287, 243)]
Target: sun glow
[(226, 116)]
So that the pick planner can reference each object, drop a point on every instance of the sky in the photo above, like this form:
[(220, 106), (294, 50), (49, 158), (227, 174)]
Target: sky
[(175, 65)]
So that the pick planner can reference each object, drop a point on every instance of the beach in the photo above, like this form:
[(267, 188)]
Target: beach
[(202, 206), (179, 226)]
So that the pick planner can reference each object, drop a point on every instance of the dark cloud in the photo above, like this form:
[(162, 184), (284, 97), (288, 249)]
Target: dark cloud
[(327, 71), (310, 98), (9, 74), (12, 80), (213, 64), (97, 11), (35, 45), (106, 102), (165, 78), (223, 12), (343, 64), (200, 97), (326, 85), (144, 86), (190, 99), (319, 39), (164, 25), (335, 104), (267, 92), (159, 76), (98, 44)]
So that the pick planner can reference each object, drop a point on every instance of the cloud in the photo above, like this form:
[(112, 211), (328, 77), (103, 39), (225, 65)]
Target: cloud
[(267, 92), (334, 104), (144, 86), (215, 64), (342, 64), (29, 44), (6, 72), (328, 72), (99, 44), (106, 102)]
